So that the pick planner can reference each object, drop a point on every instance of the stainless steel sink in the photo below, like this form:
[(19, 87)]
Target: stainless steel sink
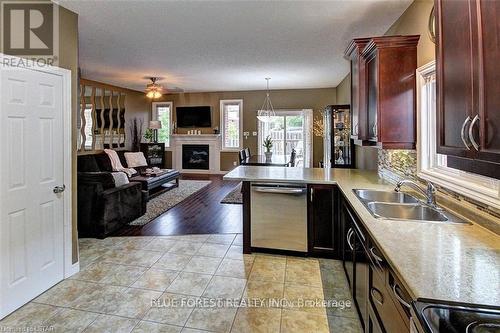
[(385, 196), (417, 212)]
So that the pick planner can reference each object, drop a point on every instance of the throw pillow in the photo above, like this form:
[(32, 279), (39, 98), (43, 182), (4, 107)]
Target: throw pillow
[(135, 160), (120, 178)]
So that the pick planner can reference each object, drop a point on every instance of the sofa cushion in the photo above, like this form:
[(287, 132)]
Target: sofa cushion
[(120, 178), (103, 162), (135, 160), (104, 178)]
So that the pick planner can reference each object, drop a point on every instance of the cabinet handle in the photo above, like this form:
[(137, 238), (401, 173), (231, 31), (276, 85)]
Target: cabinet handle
[(462, 133), (380, 298), (312, 193), (471, 135), (349, 235), (378, 258), (399, 298)]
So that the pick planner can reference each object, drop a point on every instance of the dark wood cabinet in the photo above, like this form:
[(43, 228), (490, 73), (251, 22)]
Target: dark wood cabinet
[(154, 153), (323, 222), (468, 82), (379, 296), (390, 64), (359, 127), (383, 91)]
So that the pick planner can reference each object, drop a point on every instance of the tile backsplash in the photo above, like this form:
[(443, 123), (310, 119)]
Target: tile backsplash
[(394, 165)]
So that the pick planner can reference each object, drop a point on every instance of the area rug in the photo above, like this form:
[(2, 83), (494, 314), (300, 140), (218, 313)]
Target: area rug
[(234, 197), (167, 200)]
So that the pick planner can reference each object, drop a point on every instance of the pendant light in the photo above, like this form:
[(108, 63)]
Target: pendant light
[(153, 89), (266, 112)]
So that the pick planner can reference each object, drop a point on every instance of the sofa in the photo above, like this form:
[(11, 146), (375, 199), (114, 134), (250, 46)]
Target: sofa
[(104, 208)]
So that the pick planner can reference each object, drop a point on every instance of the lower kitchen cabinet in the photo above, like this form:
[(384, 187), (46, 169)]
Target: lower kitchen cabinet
[(381, 300), (323, 222)]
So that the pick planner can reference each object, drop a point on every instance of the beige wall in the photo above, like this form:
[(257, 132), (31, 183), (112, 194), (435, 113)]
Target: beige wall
[(413, 21), (315, 99)]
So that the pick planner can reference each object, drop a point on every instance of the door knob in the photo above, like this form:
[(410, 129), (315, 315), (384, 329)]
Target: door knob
[(59, 189)]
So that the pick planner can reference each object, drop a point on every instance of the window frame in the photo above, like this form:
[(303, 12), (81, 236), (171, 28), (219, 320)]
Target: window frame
[(223, 102), (429, 162), (154, 116)]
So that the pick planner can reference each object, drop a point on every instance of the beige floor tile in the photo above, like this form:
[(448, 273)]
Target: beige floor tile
[(331, 265), (199, 238), (304, 298), (217, 319), (111, 324), (135, 243), (272, 292), (91, 254), (132, 257), (342, 302), (102, 298), (199, 264), (30, 315), (225, 287), (110, 273), (172, 261), (238, 240), (185, 247), (189, 284), (69, 320), (268, 269), (134, 303), (171, 309), (149, 327), (300, 322), (303, 271), (344, 325), (235, 268), (66, 292), (156, 279), (221, 238), (161, 244), (193, 330), (333, 279), (257, 320), (213, 250), (236, 252)]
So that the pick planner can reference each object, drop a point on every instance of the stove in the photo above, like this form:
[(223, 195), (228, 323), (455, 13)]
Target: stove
[(447, 317)]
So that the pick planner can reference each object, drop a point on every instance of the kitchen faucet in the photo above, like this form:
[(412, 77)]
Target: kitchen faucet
[(428, 193)]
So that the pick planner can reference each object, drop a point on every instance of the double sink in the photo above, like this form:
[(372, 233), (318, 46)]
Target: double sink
[(392, 205)]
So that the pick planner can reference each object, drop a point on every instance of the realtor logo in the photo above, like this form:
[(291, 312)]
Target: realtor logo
[(28, 28)]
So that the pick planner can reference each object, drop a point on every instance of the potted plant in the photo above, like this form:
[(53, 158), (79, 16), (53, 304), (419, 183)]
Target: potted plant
[(148, 135), (268, 144)]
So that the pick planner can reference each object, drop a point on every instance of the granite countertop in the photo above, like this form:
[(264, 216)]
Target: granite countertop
[(452, 262)]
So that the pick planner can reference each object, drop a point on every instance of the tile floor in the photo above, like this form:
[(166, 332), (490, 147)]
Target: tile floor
[(169, 284)]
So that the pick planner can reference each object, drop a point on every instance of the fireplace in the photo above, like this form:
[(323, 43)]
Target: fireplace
[(195, 157)]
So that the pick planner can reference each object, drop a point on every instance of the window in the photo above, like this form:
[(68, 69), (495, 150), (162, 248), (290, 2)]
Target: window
[(162, 111), (231, 115), (89, 125), (433, 166), (289, 129)]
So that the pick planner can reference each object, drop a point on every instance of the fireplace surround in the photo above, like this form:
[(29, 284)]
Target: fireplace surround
[(196, 157)]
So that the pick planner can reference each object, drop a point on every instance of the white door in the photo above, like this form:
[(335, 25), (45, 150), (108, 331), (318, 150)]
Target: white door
[(31, 166)]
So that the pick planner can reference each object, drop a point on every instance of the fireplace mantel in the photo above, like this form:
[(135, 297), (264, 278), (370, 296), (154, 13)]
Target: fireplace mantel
[(212, 140)]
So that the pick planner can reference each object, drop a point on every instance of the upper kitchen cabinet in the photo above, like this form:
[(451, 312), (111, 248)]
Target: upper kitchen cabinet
[(468, 82), (359, 128), (389, 68)]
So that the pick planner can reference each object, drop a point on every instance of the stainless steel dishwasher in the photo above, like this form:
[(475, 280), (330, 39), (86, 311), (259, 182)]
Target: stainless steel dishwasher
[(278, 216)]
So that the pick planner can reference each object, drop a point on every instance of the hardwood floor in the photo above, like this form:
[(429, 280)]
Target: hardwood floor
[(202, 213)]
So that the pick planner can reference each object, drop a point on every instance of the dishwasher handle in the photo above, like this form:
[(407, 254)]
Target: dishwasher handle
[(280, 190)]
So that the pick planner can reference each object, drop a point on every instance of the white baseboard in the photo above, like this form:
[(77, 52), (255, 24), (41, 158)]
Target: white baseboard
[(72, 270)]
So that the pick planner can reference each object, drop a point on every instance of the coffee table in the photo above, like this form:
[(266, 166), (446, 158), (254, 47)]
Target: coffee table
[(156, 185)]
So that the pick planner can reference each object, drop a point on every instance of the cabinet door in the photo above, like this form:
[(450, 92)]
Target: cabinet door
[(455, 76), (489, 81), (322, 220), (372, 324), (361, 277), (347, 245)]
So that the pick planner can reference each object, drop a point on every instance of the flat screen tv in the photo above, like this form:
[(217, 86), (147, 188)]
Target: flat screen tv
[(194, 116)]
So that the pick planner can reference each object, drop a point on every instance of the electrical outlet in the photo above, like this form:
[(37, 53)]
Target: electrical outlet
[(246, 133), (234, 163), (254, 133)]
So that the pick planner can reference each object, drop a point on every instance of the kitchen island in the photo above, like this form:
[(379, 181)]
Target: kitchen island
[(452, 262)]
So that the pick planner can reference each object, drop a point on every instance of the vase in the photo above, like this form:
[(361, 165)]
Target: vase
[(269, 155)]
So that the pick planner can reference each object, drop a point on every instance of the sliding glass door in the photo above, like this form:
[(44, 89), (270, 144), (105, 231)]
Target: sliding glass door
[(289, 130)]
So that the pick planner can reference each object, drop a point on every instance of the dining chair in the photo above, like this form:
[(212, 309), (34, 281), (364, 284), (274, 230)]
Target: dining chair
[(247, 152), (242, 156), (293, 155)]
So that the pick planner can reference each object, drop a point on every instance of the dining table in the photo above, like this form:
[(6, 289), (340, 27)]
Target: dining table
[(275, 160)]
